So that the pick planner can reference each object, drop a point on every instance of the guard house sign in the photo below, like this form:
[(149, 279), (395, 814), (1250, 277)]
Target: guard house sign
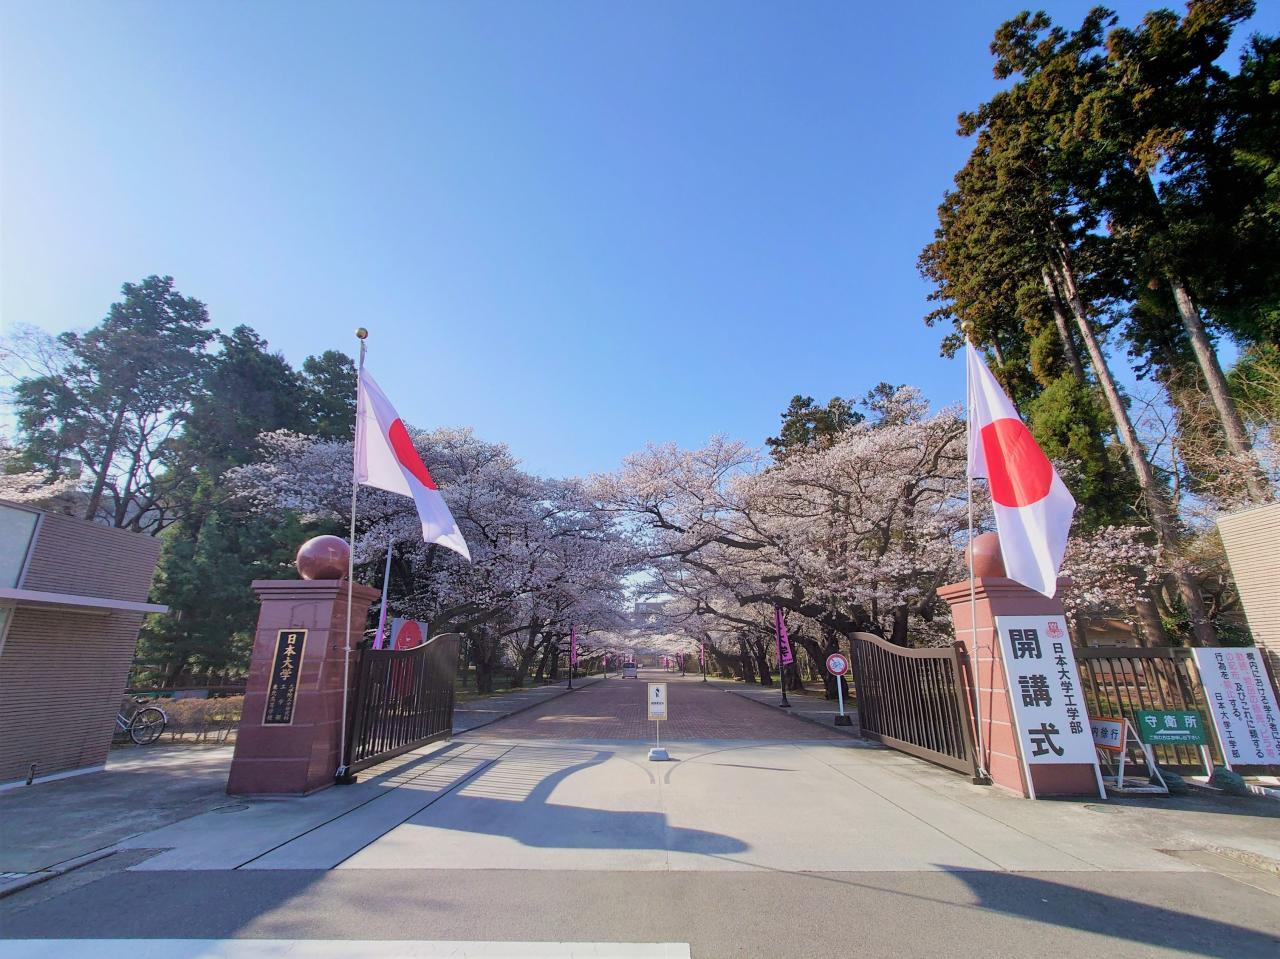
[(1050, 716)]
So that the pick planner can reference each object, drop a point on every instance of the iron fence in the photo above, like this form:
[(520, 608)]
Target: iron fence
[(403, 699), (914, 700), (1119, 682)]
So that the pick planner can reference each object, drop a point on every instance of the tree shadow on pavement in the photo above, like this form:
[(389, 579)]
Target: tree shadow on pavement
[(1057, 904), (512, 796)]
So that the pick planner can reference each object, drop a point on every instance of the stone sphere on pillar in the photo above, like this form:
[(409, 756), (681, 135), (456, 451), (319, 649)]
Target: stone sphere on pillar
[(323, 557), (987, 561)]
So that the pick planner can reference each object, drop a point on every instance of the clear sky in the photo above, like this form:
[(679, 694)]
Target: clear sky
[(575, 225)]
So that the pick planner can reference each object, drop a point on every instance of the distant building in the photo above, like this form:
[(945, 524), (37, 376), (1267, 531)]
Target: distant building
[(72, 598), (646, 609), (1252, 541)]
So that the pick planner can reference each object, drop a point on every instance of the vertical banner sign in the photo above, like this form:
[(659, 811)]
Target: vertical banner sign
[(784, 641), (282, 689), (1242, 705), (573, 646), (1044, 688), (702, 654)]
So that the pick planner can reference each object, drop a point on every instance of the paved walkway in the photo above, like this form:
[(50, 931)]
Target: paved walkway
[(804, 706), (614, 710), (482, 712), (145, 788)]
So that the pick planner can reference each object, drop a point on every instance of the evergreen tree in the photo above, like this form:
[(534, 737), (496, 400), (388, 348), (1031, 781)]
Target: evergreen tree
[(119, 401), (805, 425)]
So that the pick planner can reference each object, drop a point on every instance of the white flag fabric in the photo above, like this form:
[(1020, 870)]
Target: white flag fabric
[(1032, 505), (386, 459)]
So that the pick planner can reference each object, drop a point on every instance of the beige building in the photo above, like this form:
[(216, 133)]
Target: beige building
[(1252, 541), (72, 597)]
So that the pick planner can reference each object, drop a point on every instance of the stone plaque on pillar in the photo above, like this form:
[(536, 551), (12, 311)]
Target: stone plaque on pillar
[(291, 727)]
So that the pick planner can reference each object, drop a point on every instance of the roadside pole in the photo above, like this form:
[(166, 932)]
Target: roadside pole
[(837, 666), (657, 711)]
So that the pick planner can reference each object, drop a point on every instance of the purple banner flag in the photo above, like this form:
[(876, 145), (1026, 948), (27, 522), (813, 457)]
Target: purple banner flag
[(573, 646), (784, 642)]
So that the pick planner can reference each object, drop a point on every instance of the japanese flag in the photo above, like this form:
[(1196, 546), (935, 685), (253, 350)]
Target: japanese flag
[(386, 459), (1033, 508)]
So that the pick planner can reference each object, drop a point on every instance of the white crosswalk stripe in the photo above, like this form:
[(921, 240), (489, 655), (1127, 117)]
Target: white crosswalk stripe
[(333, 949)]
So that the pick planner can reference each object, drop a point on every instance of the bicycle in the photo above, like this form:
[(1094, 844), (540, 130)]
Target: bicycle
[(145, 725)]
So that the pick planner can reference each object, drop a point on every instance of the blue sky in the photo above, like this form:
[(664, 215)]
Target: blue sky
[(575, 226)]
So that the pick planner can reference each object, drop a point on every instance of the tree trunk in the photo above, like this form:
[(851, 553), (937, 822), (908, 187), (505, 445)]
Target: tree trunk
[(113, 441), (174, 670), (901, 619), (762, 662), (525, 657), (1157, 508), (484, 669), (1064, 331), (547, 647), (1207, 359), (1232, 426), (818, 654), (1150, 625), (745, 663)]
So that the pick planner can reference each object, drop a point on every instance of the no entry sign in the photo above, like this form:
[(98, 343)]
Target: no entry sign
[(837, 666)]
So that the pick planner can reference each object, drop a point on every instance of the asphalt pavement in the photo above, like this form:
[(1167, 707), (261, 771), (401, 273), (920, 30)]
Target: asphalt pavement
[(549, 833)]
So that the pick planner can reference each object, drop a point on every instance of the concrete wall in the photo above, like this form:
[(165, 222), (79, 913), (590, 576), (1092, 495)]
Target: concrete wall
[(63, 669)]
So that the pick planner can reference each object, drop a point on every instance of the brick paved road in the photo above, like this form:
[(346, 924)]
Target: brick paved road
[(615, 710)]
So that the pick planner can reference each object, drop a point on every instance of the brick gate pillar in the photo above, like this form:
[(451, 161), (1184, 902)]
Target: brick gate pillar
[(994, 595), (291, 727)]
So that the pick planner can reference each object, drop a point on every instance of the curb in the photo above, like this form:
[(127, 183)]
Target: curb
[(803, 718), (53, 872), (520, 709), (1244, 857)]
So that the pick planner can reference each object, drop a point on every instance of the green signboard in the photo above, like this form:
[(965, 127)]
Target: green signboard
[(1166, 727)]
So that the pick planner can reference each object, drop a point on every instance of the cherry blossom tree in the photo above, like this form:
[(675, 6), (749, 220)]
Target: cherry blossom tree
[(544, 558), (854, 534)]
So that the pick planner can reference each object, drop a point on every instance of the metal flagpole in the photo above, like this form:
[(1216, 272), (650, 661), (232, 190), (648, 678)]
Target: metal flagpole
[(973, 596), (361, 334)]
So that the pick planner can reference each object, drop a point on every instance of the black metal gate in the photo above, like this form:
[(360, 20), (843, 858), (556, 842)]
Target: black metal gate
[(914, 700), (402, 699)]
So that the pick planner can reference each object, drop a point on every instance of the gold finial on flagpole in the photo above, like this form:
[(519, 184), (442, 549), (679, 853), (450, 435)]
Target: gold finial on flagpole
[(361, 333)]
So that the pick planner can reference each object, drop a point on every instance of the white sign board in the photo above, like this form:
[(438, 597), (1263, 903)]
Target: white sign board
[(1108, 733), (1044, 688), (1242, 704), (657, 700)]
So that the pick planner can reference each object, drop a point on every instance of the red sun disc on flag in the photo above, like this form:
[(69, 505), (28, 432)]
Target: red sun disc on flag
[(408, 456), (410, 636), (1019, 473)]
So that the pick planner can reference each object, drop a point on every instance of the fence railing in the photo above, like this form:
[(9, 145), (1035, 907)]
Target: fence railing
[(403, 699), (1120, 681), (914, 700)]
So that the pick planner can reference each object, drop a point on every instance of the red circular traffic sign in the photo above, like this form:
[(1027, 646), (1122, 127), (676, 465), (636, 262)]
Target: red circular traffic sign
[(837, 664)]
